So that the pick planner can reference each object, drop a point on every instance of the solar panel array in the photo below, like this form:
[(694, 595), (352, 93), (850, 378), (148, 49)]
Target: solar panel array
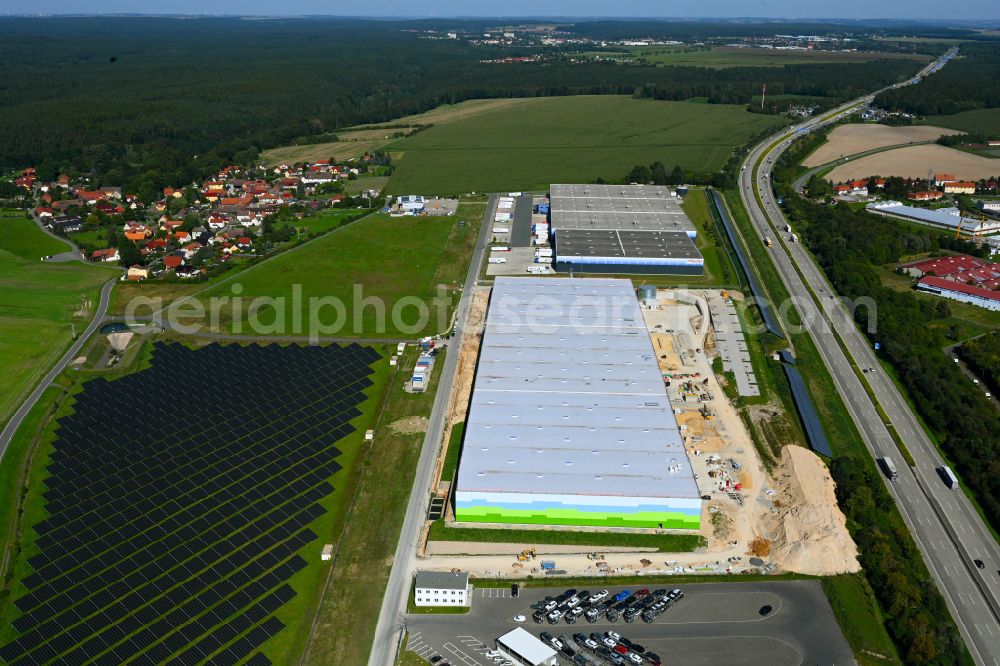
[(177, 501)]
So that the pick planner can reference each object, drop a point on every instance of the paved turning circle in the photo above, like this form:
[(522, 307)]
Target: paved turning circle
[(177, 501)]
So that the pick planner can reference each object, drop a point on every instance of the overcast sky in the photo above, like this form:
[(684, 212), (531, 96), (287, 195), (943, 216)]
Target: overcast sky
[(847, 9)]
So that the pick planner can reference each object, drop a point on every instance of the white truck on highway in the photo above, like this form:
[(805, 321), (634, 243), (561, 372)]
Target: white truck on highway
[(948, 477), (889, 468)]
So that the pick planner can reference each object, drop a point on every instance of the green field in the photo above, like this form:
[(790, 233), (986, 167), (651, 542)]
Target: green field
[(536, 142), (39, 303), (980, 120), (724, 56), (398, 262), (666, 543)]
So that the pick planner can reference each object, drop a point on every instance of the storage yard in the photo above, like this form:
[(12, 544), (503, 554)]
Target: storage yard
[(751, 520)]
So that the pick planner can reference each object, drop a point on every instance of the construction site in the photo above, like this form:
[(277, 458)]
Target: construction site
[(751, 520)]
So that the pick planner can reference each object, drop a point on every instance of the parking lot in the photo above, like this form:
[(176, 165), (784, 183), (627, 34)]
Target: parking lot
[(713, 622)]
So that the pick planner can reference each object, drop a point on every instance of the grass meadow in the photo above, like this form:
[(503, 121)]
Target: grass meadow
[(718, 57), (535, 142), (980, 120), (39, 304), (391, 258)]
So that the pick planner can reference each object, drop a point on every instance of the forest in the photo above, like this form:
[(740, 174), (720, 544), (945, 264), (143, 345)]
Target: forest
[(982, 355), (153, 102), (971, 81)]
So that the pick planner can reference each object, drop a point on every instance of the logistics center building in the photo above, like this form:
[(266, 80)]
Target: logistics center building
[(569, 421), (622, 229)]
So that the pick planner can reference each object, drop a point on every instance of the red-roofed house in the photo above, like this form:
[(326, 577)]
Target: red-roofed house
[(960, 187), (173, 261), (942, 178), (932, 195), (107, 255)]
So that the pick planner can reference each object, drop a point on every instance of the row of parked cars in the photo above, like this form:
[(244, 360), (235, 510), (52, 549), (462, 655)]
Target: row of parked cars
[(572, 605), (609, 647)]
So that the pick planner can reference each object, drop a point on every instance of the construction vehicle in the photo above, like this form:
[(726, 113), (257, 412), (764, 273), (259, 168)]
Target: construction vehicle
[(595, 556), (706, 413), (526, 554)]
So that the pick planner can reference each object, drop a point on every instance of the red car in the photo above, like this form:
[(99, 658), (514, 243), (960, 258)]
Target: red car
[(641, 593), (621, 649)]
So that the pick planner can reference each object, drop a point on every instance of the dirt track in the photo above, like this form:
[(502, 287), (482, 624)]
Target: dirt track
[(917, 162), (851, 139)]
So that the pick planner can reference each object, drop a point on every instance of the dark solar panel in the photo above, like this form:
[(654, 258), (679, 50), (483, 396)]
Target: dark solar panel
[(173, 533)]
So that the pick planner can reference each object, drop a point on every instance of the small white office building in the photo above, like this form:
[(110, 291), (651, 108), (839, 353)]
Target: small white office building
[(411, 203), (437, 588), (522, 648)]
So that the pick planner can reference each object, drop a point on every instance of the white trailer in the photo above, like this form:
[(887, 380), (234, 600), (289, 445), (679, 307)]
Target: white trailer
[(889, 468), (498, 260), (948, 477)]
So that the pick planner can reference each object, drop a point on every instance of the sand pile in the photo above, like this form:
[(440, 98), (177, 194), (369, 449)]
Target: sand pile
[(808, 530)]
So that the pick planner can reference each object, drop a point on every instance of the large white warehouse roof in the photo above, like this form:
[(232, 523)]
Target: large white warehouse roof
[(569, 397)]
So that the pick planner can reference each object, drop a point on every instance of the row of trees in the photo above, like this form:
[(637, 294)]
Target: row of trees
[(916, 615)]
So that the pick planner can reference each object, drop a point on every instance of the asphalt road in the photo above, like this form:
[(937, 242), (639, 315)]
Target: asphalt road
[(715, 623), (73, 254), (944, 523), (397, 591), (15, 422)]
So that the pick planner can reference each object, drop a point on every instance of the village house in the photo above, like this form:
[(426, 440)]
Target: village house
[(137, 272), (960, 187), (106, 255)]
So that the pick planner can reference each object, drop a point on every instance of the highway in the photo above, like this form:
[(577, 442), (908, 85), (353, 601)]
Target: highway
[(71, 353), (404, 563), (947, 529)]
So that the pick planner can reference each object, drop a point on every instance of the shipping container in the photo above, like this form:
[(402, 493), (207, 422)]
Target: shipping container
[(543, 252), (498, 260), (499, 248), (501, 230)]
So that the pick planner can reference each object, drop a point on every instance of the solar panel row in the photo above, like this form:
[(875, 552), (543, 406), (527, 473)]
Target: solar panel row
[(173, 530)]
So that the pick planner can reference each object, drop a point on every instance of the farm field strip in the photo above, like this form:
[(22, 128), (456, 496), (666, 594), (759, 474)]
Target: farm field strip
[(532, 143)]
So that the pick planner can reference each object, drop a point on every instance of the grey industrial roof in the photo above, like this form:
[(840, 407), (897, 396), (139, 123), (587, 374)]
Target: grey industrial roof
[(947, 217), (633, 207), (611, 243), (569, 397), (442, 580)]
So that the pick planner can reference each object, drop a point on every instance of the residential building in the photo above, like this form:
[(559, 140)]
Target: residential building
[(943, 178), (137, 272), (929, 195), (106, 255), (436, 588), (960, 187)]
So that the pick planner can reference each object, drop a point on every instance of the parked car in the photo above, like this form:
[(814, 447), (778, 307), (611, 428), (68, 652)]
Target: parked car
[(634, 658), (641, 593), (598, 596)]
